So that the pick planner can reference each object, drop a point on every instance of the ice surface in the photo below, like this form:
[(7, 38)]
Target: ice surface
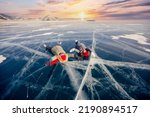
[(119, 69)]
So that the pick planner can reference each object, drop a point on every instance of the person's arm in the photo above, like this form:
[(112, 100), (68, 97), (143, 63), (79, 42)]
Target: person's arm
[(74, 50), (75, 56), (53, 61)]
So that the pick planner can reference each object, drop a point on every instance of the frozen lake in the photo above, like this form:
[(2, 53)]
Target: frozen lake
[(120, 70)]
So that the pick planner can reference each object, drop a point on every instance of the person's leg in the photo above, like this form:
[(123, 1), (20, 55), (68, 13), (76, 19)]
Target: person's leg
[(71, 55), (74, 50), (77, 56)]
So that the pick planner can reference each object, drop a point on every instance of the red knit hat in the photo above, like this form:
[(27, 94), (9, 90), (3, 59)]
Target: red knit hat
[(63, 57)]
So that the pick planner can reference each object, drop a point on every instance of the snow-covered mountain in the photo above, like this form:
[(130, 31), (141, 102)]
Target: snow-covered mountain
[(6, 17), (49, 18), (9, 17)]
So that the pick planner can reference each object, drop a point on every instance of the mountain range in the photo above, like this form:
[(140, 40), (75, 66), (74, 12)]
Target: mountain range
[(6, 17), (10, 17)]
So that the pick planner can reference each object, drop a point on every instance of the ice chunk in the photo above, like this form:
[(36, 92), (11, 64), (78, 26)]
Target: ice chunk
[(146, 49), (115, 37), (2, 58)]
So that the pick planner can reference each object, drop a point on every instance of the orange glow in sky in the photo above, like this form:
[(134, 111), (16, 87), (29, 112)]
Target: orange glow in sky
[(82, 16), (82, 9)]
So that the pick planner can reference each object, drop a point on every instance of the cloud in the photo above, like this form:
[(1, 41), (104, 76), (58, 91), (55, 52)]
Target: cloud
[(69, 2), (139, 4), (144, 4), (34, 13), (55, 1), (4, 5), (136, 15), (126, 9), (41, 3), (146, 11), (117, 2), (75, 2)]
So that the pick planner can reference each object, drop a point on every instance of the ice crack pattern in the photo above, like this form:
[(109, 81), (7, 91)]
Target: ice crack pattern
[(120, 68)]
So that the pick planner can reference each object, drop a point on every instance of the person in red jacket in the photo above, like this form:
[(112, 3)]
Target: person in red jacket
[(82, 51), (59, 54)]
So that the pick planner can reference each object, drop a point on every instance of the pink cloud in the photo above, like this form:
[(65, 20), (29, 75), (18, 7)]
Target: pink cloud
[(74, 2), (55, 1)]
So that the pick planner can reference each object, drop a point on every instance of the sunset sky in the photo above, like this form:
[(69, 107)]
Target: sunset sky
[(91, 9)]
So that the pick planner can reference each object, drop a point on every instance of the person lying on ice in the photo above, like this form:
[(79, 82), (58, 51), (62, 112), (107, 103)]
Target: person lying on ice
[(82, 51), (59, 54)]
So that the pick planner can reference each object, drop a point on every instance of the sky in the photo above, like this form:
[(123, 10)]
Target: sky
[(83, 9)]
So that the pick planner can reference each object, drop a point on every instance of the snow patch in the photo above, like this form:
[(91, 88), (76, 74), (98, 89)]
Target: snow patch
[(47, 33), (44, 34), (137, 37), (2, 58), (41, 29), (62, 26), (146, 49), (71, 32), (134, 24), (115, 37), (59, 35)]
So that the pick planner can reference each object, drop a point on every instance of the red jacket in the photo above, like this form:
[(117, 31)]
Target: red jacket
[(53, 62), (61, 58), (86, 53)]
